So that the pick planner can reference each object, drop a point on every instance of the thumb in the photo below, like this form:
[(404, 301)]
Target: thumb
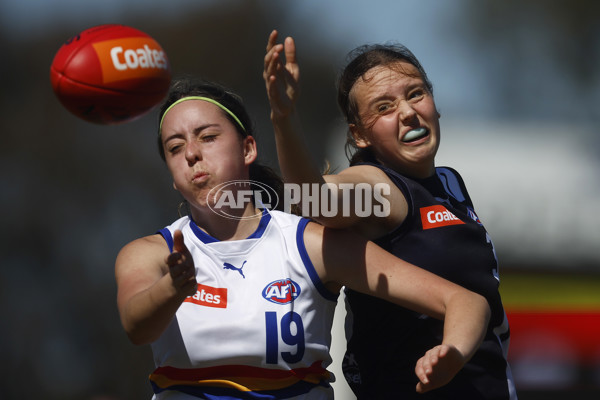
[(178, 243)]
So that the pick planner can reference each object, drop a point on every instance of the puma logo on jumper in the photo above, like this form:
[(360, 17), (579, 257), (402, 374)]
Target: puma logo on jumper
[(234, 268)]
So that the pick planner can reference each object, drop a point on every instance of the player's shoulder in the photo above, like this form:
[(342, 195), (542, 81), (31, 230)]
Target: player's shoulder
[(148, 242), (284, 218), (445, 170), (178, 224), (362, 173), (453, 183), (143, 248)]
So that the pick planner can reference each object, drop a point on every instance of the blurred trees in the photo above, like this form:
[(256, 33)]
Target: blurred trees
[(546, 55), (74, 193)]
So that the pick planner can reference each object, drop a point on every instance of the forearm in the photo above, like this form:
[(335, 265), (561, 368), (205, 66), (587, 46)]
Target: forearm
[(295, 161), (147, 314), (466, 321)]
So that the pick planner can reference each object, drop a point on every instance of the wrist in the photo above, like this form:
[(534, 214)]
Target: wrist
[(458, 352), (280, 117)]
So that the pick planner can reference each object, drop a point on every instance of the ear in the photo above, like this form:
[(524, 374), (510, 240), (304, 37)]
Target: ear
[(175, 186), (250, 151), (359, 138)]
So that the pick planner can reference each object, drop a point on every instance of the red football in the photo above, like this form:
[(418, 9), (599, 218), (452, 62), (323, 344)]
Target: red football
[(110, 74)]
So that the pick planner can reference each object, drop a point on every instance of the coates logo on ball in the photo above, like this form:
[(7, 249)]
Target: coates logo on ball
[(282, 291), (131, 58), (110, 74)]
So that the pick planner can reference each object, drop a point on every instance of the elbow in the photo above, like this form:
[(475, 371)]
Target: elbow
[(477, 304), (480, 303), (137, 334), (485, 304), (137, 341), (139, 338)]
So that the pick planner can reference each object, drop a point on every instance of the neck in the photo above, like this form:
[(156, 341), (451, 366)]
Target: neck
[(414, 171), (420, 173), (229, 225)]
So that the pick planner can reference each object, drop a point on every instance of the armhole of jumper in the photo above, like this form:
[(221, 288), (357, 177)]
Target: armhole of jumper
[(312, 273), (166, 234)]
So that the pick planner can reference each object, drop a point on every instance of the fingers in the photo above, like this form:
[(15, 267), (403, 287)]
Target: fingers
[(425, 369), (426, 364), (421, 388), (281, 76), (183, 274), (422, 375), (437, 367), (273, 63), (272, 40), (272, 49)]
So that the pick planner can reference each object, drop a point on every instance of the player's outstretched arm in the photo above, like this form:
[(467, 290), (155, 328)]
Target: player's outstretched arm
[(344, 258), (281, 74), (152, 284)]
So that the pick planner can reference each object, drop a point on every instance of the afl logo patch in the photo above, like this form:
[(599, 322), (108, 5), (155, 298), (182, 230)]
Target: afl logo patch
[(282, 291)]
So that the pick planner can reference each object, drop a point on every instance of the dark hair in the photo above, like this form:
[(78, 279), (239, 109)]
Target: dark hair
[(190, 86), (362, 59)]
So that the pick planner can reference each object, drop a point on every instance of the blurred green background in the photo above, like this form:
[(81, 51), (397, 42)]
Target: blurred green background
[(518, 86)]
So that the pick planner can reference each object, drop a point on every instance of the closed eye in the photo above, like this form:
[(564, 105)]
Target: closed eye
[(175, 148), (209, 138)]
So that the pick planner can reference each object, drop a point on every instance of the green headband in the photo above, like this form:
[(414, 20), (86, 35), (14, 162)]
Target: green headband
[(216, 103)]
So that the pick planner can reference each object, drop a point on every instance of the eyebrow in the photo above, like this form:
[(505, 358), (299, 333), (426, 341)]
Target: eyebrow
[(197, 130), (201, 128), (385, 96)]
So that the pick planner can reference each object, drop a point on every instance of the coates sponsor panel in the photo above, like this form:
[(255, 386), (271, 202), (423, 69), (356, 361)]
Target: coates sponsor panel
[(209, 296), (437, 216), (131, 58), (282, 291)]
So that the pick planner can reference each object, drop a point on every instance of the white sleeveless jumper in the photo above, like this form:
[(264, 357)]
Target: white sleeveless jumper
[(259, 325)]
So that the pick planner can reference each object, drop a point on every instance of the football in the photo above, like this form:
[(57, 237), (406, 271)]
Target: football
[(110, 74)]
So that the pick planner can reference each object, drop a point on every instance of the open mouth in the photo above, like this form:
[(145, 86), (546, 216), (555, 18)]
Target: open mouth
[(415, 134)]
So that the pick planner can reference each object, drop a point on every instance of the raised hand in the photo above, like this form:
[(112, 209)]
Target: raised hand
[(281, 80), (181, 267), (437, 367)]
